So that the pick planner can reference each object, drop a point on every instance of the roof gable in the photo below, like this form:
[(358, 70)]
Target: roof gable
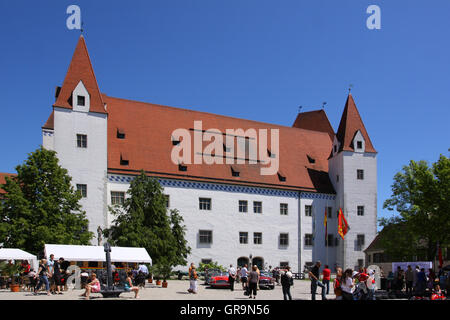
[(350, 123), (314, 120), (80, 69)]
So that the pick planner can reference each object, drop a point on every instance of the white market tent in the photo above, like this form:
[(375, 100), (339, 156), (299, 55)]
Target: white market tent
[(97, 253), (17, 254)]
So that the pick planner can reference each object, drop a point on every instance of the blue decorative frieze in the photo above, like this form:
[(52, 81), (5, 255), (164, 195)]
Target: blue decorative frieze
[(212, 186), (323, 196), (47, 133)]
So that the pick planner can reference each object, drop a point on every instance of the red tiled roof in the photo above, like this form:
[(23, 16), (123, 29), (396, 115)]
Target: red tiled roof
[(50, 122), (350, 123), (80, 69), (148, 131), (3, 180), (314, 120)]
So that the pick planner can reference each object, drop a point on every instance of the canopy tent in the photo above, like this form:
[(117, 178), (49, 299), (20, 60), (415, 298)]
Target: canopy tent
[(17, 254), (97, 253)]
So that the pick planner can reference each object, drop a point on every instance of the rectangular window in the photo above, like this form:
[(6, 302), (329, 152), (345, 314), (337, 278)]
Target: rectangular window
[(82, 189), (243, 237), (308, 239), (205, 236), (283, 209), (360, 263), (117, 198), (257, 238), (284, 264), (308, 211), (81, 141), (243, 206), (359, 144), (284, 239), (206, 261), (167, 200), (205, 203), (81, 101), (360, 174), (257, 206), (329, 240), (360, 241), (329, 212), (360, 210)]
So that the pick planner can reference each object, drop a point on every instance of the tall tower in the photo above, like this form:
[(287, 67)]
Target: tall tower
[(77, 131), (353, 172)]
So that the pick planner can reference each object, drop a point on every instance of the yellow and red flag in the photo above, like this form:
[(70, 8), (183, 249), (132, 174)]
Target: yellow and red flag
[(343, 226)]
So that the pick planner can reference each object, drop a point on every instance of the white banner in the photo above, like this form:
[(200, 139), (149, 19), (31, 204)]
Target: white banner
[(404, 265)]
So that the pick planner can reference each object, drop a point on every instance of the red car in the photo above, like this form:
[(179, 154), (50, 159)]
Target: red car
[(219, 280), (266, 280)]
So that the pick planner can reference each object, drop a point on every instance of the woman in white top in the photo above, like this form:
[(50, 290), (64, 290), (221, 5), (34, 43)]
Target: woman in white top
[(347, 285)]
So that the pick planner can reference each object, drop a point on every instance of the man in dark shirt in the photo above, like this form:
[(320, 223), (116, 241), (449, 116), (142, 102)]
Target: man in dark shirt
[(57, 274), (314, 276)]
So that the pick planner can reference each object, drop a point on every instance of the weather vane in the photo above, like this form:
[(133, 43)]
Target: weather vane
[(300, 109), (350, 88), (81, 29), (323, 104)]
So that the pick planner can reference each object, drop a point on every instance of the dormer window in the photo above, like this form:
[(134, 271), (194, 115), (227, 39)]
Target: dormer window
[(359, 144), (281, 177), (175, 142), (182, 167), (124, 159), (234, 172), (81, 101), (120, 133), (270, 154), (311, 160)]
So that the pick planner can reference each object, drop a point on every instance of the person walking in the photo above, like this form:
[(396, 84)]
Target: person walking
[(286, 282), (231, 276), (314, 276), (326, 275), (57, 275), (244, 274), (337, 284), (348, 285), (371, 285), (253, 279), (43, 279), (192, 279), (409, 277)]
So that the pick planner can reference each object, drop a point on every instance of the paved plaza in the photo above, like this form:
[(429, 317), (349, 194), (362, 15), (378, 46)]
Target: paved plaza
[(177, 290)]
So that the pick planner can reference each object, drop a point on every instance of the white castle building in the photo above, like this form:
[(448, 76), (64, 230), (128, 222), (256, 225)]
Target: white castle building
[(233, 213)]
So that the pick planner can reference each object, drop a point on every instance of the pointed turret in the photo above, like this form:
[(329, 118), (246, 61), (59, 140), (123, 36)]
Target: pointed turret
[(80, 70), (351, 123)]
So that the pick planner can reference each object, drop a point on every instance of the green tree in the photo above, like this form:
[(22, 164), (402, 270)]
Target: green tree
[(182, 249), (41, 206), (421, 196), (143, 221)]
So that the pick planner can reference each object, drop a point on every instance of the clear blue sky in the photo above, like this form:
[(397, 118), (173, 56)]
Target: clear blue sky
[(251, 59)]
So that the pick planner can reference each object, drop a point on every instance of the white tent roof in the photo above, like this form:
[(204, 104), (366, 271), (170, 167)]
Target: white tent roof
[(16, 254), (97, 253)]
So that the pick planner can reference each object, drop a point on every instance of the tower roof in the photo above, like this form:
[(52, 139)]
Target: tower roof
[(350, 123), (80, 69), (314, 120)]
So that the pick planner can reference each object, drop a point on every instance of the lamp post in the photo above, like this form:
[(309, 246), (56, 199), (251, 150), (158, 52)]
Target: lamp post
[(110, 291)]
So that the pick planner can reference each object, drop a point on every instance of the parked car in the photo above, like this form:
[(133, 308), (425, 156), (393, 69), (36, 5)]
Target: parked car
[(209, 274), (266, 280), (219, 280)]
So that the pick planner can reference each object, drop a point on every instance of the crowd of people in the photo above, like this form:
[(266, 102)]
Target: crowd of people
[(417, 281)]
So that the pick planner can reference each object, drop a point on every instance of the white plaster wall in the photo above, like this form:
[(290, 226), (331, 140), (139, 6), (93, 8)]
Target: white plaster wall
[(48, 139), (85, 165), (226, 222), (359, 192), (315, 225)]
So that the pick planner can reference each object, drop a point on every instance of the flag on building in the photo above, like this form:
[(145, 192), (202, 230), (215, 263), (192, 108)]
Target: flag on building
[(325, 223), (343, 226)]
